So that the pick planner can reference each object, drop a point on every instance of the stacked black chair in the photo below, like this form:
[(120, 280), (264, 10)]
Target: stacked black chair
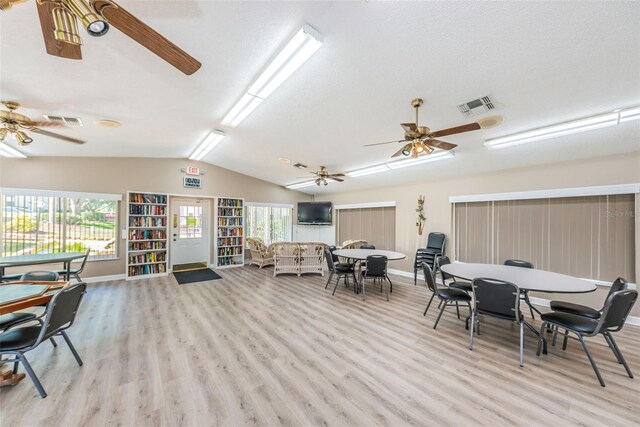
[(434, 249), (445, 295), (10, 320), (377, 270), (499, 299), (523, 293), (341, 270), (612, 319), (61, 313)]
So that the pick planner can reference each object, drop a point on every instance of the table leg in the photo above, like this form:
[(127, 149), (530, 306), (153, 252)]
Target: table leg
[(67, 266)]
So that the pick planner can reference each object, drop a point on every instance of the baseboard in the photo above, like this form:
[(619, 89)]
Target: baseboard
[(96, 279), (542, 302)]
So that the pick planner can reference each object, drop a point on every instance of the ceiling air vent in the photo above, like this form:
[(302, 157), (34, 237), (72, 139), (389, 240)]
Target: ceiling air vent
[(300, 166), (71, 121), (477, 106)]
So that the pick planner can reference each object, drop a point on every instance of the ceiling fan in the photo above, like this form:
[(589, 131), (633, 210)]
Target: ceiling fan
[(322, 175), (15, 124), (59, 22), (420, 139)]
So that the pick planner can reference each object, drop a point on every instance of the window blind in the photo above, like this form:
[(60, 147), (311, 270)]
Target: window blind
[(375, 225)]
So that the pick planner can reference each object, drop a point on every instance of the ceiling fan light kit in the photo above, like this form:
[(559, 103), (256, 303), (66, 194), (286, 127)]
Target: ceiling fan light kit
[(296, 52), (566, 128)]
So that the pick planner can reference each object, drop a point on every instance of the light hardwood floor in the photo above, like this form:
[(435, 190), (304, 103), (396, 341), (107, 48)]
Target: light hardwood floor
[(253, 350)]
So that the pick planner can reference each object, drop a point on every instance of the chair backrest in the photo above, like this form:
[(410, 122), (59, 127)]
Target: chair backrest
[(428, 278), (616, 310), (335, 257), (367, 247), (376, 265), (45, 276), (620, 284), (436, 241), (84, 260), (329, 257), (497, 298), (62, 310), (518, 263), (440, 261)]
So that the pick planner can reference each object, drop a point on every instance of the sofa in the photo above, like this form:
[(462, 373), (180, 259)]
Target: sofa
[(260, 254), (298, 257)]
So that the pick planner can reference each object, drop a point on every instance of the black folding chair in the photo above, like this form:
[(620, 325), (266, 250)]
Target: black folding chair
[(499, 299), (61, 313), (445, 295), (614, 314), (524, 294), (341, 270), (376, 268)]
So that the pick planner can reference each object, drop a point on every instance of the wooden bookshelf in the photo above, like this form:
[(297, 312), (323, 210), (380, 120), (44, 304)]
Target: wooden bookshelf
[(229, 236), (147, 244)]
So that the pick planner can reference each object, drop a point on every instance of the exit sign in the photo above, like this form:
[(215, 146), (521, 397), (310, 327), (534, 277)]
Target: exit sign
[(192, 170)]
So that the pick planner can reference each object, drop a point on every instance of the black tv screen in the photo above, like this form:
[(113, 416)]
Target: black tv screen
[(314, 213)]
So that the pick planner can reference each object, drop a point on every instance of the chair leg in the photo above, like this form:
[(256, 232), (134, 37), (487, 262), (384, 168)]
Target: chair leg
[(473, 320), (521, 344), (624, 362), (541, 336), (440, 315), (440, 305), (329, 279), (615, 352), (457, 309), (53, 342), (593, 362), (73, 349), (336, 286), (566, 339), (428, 305), (15, 367), (415, 276), (390, 283), (554, 336), (32, 375)]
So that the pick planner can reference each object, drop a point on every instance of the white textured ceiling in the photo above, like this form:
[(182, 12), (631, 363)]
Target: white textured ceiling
[(542, 62)]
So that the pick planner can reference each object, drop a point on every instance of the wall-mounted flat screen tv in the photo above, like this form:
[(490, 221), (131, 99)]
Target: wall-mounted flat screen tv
[(318, 213)]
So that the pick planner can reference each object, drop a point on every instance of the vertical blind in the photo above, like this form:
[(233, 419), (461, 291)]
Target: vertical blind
[(590, 237), (375, 225)]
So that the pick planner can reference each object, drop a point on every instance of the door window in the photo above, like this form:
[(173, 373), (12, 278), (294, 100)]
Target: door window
[(190, 222)]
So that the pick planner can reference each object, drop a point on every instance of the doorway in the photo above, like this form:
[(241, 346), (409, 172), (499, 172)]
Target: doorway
[(190, 237)]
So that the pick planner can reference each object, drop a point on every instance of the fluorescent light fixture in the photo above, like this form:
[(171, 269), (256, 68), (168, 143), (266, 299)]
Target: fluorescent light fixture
[(629, 114), (295, 53), (567, 128), (241, 110), (207, 145), (301, 185), (11, 152), (421, 160), (368, 171)]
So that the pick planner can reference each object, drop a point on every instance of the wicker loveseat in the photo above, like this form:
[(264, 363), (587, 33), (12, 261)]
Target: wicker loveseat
[(353, 244), (298, 257), (260, 254)]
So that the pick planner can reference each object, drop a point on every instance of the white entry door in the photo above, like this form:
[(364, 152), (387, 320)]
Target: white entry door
[(189, 231)]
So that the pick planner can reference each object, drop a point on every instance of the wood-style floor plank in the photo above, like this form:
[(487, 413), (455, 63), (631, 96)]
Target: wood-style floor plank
[(255, 350)]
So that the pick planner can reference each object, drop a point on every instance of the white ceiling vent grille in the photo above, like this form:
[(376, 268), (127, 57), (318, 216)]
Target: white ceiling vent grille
[(71, 121), (477, 106)]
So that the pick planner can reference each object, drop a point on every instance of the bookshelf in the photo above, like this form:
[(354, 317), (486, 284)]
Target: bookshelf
[(147, 250), (229, 248)]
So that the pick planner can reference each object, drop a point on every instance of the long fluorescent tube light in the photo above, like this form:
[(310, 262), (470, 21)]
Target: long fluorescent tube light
[(295, 53), (368, 171), (10, 152), (567, 128), (207, 145), (421, 160), (301, 185)]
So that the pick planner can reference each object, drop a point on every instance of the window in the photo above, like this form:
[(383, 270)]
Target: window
[(270, 223), (190, 222), (49, 222), (375, 225)]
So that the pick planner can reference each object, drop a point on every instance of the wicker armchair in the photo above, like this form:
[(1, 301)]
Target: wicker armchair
[(298, 257), (353, 244), (260, 254)]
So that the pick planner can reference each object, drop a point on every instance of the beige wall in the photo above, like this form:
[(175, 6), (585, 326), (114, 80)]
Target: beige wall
[(618, 169), (119, 175)]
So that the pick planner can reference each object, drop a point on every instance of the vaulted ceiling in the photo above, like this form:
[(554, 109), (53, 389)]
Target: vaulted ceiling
[(541, 62)]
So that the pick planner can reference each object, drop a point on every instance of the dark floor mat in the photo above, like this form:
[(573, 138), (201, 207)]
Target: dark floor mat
[(193, 276)]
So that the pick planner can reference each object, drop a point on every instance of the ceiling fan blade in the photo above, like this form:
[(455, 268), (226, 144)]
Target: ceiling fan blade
[(382, 143), (124, 21), (439, 144), (55, 135), (337, 179), (409, 127), (458, 129), (336, 174), (31, 123), (53, 46), (397, 153)]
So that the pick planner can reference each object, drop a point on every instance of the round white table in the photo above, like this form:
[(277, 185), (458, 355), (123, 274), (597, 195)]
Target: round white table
[(362, 254), (525, 278)]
